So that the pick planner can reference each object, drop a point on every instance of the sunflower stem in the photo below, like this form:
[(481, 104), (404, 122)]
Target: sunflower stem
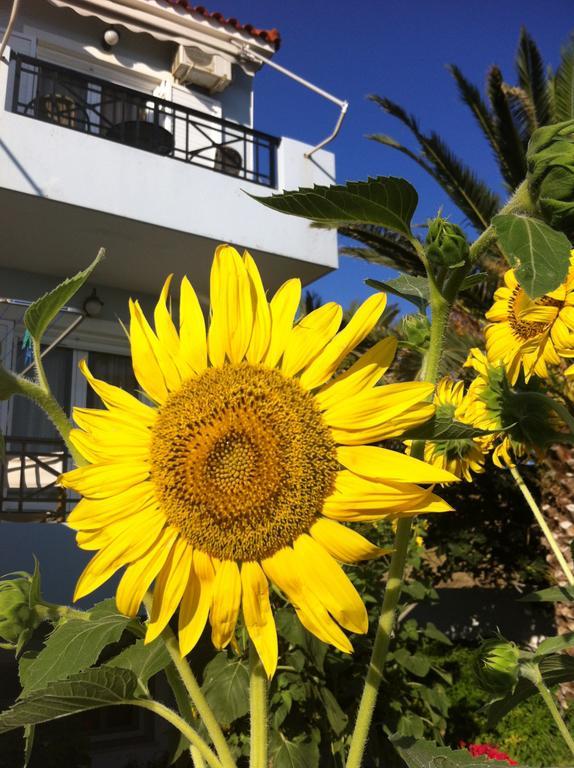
[(183, 727), (556, 716), (193, 688), (381, 644), (258, 710), (519, 480)]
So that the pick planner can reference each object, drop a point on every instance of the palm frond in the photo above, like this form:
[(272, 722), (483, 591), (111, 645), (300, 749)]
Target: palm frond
[(388, 141), (523, 111), (564, 84), (474, 198), (387, 248), (532, 78), (470, 95), (513, 152)]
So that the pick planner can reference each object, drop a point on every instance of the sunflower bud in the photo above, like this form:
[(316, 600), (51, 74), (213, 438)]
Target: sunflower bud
[(16, 614), (496, 665), (446, 244), (550, 162)]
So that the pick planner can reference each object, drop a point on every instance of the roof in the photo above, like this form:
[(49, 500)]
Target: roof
[(271, 36)]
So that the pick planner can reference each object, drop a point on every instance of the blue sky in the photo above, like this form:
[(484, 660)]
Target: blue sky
[(396, 49)]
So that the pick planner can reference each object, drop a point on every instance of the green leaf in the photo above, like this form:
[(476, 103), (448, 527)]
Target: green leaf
[(226, 688), (442, 428), (384, 201), (434, 633), (417, 664), (290, 628), (337, 718), (413, 288), (550, 595), (29, 731), (293, 754), (411, 725), (74, 646), (555, 669), (426, 754), (94, 688), (539, 254), (40, 314), (145, 661), (555, 644)]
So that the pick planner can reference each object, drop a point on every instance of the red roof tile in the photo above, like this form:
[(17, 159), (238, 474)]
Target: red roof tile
[(271, 36)]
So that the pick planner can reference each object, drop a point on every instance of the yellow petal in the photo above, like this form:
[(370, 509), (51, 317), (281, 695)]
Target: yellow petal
[(196, 602), (310, 336), (119, 552), (165, 328), (429, 503), (394, 427), (90, 514), (282, 570), (150, 517), (538, 314), (99, 481), (98, 451), (343, 543), (226, 602), (139, 575), (169, 588), (385, 465), (231, 323), (331, 585), (262, 323), (146, 367), (283, 308), (258, 615), (376, 406), (359, 326), (105, 424), (362, 375), (192, 337), (114, 397)]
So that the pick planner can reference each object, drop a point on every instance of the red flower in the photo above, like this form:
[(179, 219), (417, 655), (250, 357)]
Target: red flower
[(487, 750)]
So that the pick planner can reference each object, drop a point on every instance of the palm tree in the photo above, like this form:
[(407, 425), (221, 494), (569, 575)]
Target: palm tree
[(507, 115)]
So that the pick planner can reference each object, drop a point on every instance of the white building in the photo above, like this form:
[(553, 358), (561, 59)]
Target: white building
[(127, 124)]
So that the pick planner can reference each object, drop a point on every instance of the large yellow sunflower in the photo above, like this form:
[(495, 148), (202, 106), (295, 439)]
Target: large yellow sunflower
[(461, 457), (530, 334), (247, 463)]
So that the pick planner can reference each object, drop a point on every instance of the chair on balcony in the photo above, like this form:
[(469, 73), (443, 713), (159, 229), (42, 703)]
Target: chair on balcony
[(228, 160)]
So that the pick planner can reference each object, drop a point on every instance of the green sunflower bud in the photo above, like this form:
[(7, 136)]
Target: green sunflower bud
[(550, 177), (22, 608), (416, 330), (496, 665), (446, 244)]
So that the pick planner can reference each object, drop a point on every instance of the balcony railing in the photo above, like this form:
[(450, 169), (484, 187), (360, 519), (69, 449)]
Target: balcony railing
[(28, 476), (100, 108)]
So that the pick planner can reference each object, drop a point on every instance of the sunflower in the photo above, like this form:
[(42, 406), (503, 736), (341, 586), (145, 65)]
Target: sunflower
[(485, 408), (247, 462), (460, 457), (530, 334)]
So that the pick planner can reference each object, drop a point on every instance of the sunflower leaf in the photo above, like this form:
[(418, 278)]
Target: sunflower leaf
[(226, 688), (413, 288), (555, 644), (72, 647), (92, 689), (474, 279), (384, 201), (293, 754), (40, 314), (539, 254), (144, 661)]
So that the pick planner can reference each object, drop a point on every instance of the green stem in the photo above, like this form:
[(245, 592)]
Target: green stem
[(258, 709), (182, 726), (196, 758), (195, 693), (519, 480), (557, 717), (381, 644)]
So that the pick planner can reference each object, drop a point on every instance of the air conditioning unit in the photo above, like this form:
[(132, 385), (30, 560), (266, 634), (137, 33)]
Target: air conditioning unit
[(194, 66)]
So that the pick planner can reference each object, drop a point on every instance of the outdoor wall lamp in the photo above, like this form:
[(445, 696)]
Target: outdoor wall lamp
[(93, 305), (110, 39)]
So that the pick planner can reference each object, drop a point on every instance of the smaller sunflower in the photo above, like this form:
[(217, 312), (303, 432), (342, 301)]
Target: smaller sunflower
[(485, 408), (530, 334), (461, 457)]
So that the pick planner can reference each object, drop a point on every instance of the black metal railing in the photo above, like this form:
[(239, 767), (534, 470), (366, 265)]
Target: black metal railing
[(83, 103), (28, 478)]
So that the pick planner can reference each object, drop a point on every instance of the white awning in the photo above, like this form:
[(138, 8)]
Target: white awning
[(168, 22)]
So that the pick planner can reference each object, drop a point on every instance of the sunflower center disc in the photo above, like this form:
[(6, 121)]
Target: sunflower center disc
[(242, 461)]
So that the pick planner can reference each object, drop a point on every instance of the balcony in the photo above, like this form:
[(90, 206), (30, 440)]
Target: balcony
[(88, 163), (66, 98), (28, 490)]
